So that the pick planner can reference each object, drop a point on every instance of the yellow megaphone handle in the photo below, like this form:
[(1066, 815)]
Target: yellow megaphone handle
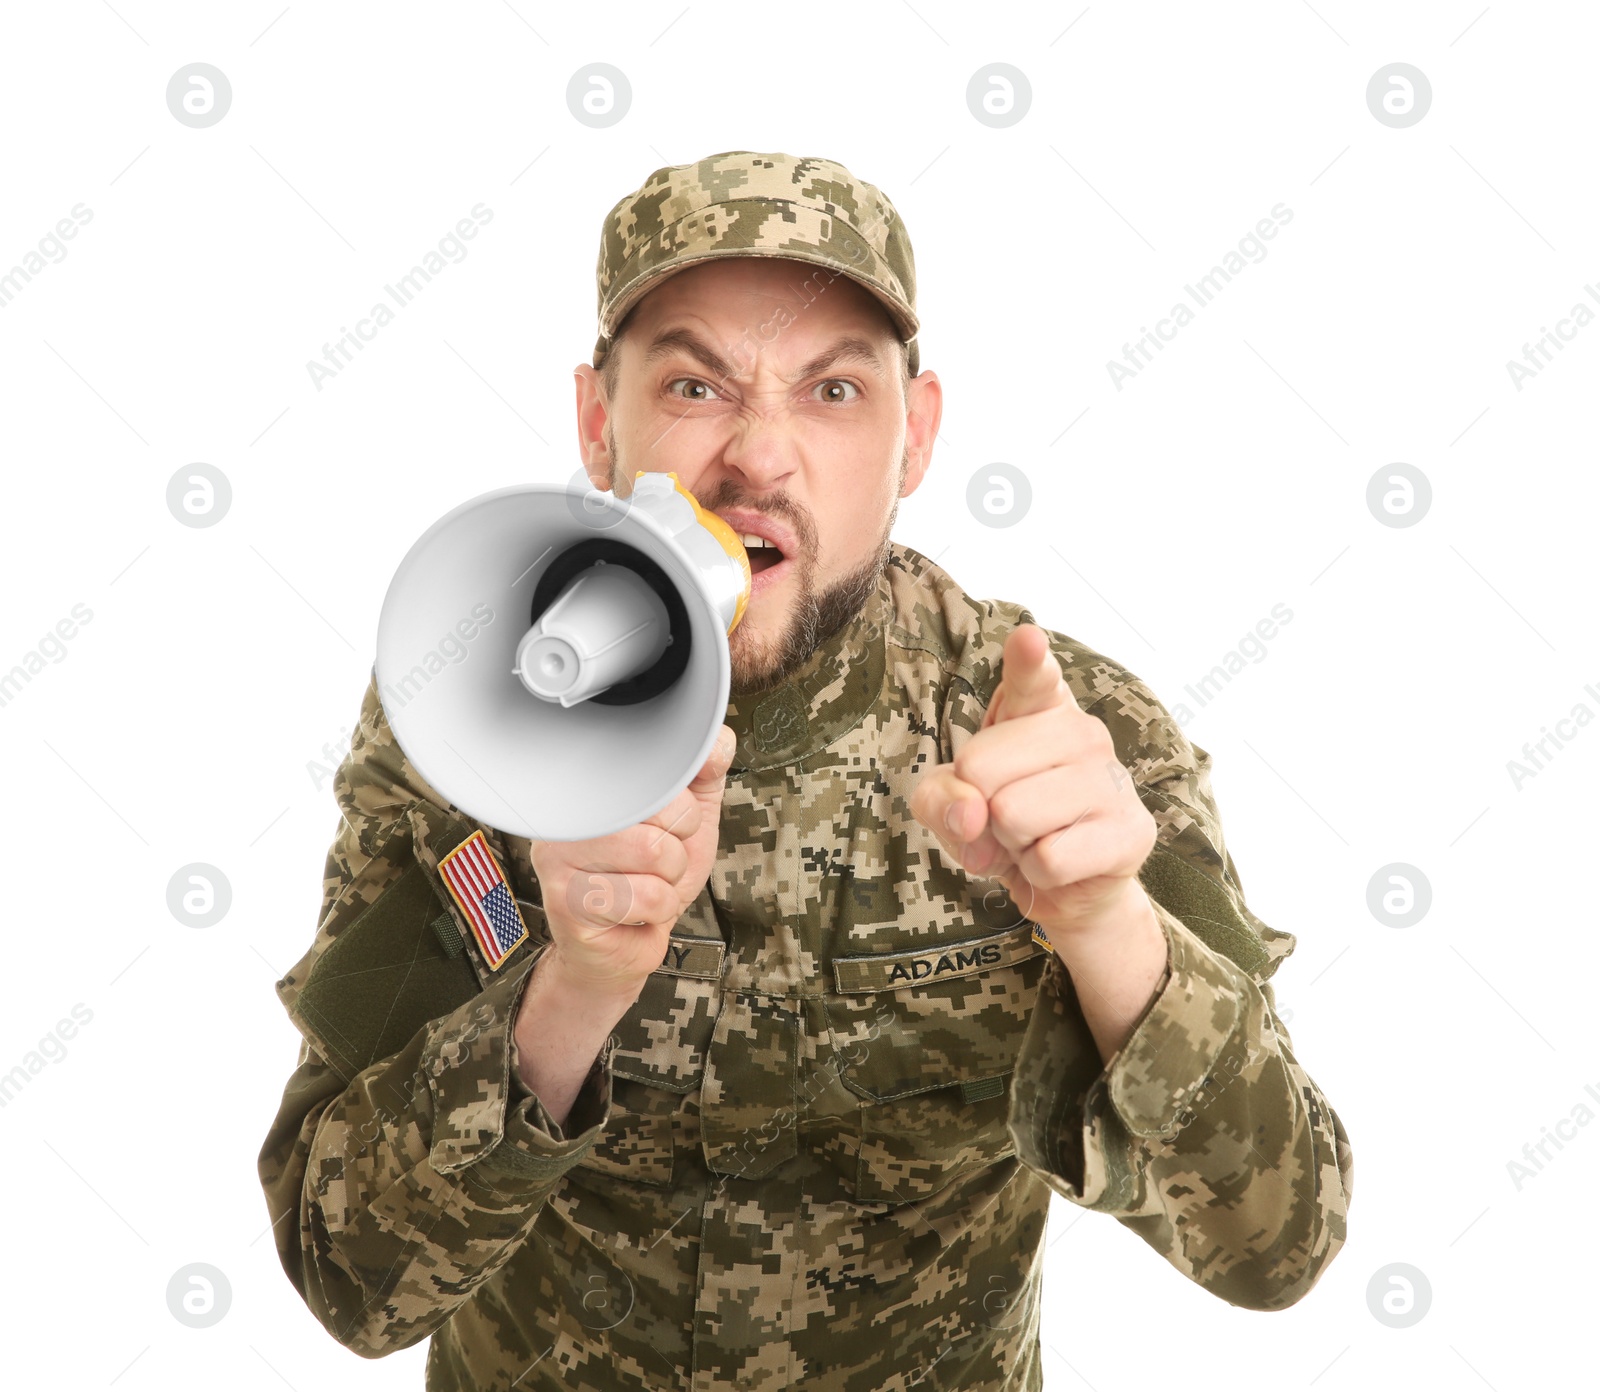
[(726, 537)]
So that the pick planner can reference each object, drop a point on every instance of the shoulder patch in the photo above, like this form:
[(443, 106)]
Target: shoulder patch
[(478, 885)]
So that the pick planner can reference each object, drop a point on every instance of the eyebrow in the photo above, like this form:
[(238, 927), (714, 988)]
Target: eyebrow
[(850, 348)]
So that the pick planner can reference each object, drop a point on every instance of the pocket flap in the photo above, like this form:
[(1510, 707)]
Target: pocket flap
[(662, 1039), (928, 1017)]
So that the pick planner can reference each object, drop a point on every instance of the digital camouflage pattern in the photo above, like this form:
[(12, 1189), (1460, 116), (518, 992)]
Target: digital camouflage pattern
[(820, 1148), (748, 203)]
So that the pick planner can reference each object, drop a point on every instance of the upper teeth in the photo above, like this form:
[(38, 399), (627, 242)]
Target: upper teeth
[(750, 539)]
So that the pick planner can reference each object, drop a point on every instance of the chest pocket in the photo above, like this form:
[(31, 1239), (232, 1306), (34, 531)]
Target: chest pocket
[(659, 1058), (927, 1038)]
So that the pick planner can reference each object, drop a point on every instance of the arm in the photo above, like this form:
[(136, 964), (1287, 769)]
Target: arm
[(558, 1034), (1201, 1131), (1117, 969), (407, 1162)]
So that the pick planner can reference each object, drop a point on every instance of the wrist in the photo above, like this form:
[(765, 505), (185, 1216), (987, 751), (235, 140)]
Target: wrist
[(566, 990), (1131, 913)]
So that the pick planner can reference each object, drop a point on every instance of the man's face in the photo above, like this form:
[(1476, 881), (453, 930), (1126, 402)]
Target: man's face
[(772, 388)]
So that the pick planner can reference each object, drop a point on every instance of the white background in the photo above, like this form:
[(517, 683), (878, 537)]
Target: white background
[(1168, 517)]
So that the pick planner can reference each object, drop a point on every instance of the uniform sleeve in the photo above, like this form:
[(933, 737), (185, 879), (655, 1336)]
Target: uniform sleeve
[(407, 1162), (1203, 1134)]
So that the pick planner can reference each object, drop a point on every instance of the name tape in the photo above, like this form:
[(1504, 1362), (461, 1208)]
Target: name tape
[(693, 957), (890, 971)]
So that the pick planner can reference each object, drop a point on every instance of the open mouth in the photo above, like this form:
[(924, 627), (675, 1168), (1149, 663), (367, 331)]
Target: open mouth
[(762, 553)]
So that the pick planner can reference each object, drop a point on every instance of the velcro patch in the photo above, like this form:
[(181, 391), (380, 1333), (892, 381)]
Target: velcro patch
[(444, 928), (981, 1089)]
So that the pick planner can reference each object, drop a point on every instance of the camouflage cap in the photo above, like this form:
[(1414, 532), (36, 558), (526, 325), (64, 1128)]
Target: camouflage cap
[(744, 203)]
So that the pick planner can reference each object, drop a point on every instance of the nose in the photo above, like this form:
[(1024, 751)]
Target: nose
[(761, 455)]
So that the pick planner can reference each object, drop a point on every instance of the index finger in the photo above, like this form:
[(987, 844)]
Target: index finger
[(1030, 677)]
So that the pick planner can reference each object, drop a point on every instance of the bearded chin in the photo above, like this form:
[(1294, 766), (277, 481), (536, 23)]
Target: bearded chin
[(814, 620)]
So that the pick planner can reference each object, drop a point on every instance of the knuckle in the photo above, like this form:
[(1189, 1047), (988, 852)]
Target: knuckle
[(658, 902), (650, 847), (1006, 807), (674, 860), (672, 818), (1051, 859), (1007, 845), (639, 847), (598, 894), (976, 770)]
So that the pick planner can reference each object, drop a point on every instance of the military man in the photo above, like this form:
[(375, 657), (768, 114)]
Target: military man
[(773, 1089)]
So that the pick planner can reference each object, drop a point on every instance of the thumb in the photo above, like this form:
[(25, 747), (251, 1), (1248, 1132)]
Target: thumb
[(714, 772)]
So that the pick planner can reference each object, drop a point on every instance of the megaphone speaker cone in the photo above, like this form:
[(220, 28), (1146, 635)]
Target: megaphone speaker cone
[(477, 693), (606, 626)]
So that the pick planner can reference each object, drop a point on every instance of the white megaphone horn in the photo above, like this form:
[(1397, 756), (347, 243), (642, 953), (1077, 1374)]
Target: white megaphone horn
[(554, 661)]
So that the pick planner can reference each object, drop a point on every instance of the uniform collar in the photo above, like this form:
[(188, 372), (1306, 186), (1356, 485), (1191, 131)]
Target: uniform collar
[(838, 684)]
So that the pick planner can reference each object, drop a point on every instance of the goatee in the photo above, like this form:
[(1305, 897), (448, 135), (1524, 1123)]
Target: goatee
[(816, 619)]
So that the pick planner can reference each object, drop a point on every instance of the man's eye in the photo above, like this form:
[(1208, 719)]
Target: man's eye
[(694, 382), (838, 382)]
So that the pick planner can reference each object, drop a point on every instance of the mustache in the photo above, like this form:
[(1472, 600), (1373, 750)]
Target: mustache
[(728, 494), (776, 505)]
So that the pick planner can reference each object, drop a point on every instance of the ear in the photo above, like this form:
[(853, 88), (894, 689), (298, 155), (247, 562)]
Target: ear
[(924, 408), (592, 416)]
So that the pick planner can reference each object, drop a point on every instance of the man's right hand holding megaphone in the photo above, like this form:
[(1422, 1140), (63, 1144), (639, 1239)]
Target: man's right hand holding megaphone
[(609, 928), (604, 671)]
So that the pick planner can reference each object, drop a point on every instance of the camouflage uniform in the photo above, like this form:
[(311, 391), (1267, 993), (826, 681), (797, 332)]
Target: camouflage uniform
[(819, 1149)]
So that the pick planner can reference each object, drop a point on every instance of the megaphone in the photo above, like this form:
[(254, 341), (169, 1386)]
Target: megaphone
[(554, 661)]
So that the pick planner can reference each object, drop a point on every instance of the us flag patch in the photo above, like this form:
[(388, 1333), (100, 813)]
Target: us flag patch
[(478, 886)]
